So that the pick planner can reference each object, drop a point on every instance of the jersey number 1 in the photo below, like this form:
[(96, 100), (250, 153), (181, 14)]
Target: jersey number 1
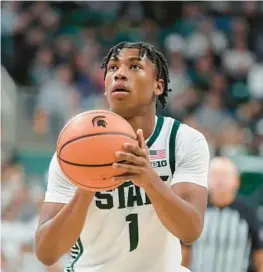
[(133, 230)]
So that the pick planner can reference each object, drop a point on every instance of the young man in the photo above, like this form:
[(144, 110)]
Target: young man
[(232, 239), (139, 225)]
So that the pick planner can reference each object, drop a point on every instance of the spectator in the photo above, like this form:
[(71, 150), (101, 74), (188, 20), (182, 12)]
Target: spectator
[(13, 24), (175, 43), (232, 141), (211, 114), (206, 38), (191, 16), (12, 188), (218, 84), (64, 50), (179, 80), (255, 82), (42, 69), (50, 20), (38, 8), (259, 136), (183, 96), (57, 102), (88, 76), (149, 32), (254, 18), (239, 30), (202, 72), (239, 60), (26, 46)]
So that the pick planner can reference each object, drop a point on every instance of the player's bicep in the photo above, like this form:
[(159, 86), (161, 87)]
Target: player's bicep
[(193, 194), (192, 161)]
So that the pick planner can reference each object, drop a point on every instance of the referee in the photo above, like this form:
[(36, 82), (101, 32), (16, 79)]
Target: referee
[(232, 238)]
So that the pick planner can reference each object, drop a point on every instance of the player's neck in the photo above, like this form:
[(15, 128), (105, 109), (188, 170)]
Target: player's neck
[(144, 121)]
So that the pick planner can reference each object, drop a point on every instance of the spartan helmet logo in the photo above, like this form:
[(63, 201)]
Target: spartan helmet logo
[(99, 121)]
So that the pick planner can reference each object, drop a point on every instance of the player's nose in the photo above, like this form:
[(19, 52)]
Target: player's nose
[(121, 74)]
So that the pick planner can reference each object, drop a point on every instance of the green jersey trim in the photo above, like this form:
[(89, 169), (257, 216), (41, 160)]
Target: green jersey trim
[(76, 252), (173, 134), (156, 132)]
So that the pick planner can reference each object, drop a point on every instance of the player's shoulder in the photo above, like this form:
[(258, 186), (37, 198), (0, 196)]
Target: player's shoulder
[(185, 132), (55, 170), (59, 188), (54, 165)]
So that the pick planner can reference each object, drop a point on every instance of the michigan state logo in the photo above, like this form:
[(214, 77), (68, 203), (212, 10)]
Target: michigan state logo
[(99, 121)]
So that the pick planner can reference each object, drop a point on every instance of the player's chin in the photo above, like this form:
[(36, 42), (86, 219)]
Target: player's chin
[(121, 102), (125, 110)]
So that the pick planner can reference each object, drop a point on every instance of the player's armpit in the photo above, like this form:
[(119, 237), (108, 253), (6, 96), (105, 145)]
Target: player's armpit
[(258, 260), (194, 194)]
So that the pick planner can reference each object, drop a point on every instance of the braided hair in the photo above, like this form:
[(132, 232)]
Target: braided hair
[(156, 57)]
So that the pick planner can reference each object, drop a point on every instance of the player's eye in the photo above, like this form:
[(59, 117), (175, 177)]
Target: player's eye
[(112, 67), (135, 67)]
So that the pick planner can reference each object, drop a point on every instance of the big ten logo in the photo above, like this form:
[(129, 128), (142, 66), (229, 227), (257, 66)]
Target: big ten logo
[(157, 164), (128, 195)]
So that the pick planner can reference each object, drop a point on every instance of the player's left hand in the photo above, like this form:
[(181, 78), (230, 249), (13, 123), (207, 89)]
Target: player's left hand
[(135, 161)]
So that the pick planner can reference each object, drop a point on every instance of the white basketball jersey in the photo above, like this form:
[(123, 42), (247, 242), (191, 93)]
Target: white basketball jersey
[(122, 232)]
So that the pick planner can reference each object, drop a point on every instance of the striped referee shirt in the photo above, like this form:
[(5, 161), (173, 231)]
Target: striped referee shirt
[(230, 236)]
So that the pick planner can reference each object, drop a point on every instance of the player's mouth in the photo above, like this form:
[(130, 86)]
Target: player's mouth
[(120, 91)]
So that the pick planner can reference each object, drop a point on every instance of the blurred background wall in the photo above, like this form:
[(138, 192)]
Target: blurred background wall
[(50, 70)]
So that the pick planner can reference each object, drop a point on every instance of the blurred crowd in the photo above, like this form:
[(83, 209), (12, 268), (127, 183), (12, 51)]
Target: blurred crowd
[(215, 56)]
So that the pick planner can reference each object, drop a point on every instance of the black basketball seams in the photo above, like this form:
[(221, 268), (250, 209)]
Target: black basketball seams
[(88, 165), (87, 136)]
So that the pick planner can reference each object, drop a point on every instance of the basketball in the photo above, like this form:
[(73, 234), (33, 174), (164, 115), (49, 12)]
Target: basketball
[(86, 148)]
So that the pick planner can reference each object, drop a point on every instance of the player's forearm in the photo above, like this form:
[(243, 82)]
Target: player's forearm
[(56, 236), (178, 216)]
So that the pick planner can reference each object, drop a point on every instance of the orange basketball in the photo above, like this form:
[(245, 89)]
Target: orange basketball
[(86, 148)]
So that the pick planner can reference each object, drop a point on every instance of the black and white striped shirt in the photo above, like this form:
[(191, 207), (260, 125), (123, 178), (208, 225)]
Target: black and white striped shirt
[(230, 236)]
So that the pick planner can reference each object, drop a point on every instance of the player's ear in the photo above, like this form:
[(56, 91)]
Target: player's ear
[(159, 87)]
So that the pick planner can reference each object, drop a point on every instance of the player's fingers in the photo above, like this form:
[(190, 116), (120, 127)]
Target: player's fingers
[(128, 168), (135, 149), (142, 143), (129, 157), (141, 140)]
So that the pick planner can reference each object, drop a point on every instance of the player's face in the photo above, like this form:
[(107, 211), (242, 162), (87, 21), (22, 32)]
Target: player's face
[(130, 83)]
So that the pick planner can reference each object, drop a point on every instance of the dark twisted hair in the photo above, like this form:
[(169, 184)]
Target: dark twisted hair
[(156, 57)]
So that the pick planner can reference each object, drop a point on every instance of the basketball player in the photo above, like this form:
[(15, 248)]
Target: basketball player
[(232, 239), (162, 200)]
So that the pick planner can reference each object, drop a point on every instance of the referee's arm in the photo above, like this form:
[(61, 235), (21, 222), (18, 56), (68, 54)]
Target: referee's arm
[(257, 241)]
